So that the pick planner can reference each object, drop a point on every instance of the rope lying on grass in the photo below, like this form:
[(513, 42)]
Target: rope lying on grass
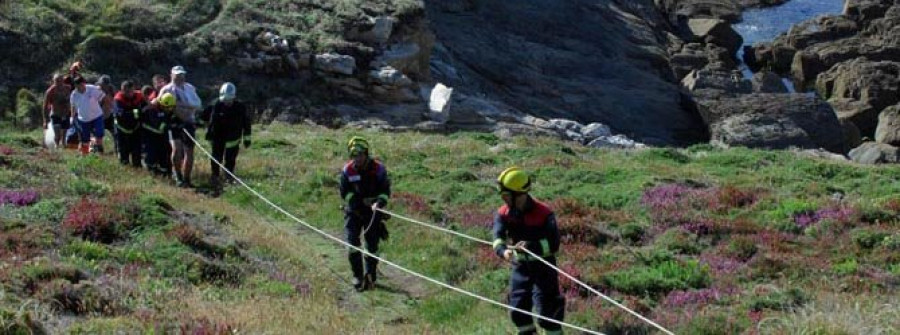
[(485, 242), (367, 253)]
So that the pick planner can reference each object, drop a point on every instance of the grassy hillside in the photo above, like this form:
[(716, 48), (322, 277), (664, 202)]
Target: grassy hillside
[(702, 240)]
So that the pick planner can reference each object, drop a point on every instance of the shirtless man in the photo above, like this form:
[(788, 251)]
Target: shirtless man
[(57, 108)]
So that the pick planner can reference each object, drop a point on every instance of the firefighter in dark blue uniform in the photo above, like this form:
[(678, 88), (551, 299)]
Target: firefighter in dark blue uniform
[(528, 224), (228, 126), (155, 123), (364, 185)]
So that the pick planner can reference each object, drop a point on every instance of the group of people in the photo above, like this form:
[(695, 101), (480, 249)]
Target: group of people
[(521, 223), (154, 127)]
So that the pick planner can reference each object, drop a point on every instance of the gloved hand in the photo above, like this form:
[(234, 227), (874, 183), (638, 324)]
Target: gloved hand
[(246, 144)]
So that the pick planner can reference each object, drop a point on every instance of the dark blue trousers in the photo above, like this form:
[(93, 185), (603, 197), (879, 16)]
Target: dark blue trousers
[(354, 225), (534, 284)]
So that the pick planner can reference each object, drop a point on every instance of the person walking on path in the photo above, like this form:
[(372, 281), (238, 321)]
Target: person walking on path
[(364, 186), (57, 109), (127, 121), (86, 107), (528, 224), (155, 119), (186, 106), (227, 126)]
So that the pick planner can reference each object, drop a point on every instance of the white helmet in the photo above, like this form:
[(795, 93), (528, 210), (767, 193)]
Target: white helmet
[(227, 92)]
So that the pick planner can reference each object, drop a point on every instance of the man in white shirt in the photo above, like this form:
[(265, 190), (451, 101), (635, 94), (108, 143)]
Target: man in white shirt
[(86, 101), (187, 104)]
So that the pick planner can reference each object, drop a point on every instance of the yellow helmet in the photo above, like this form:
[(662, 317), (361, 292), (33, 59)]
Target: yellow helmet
[(514, 179), (167, 100), (356, 145)]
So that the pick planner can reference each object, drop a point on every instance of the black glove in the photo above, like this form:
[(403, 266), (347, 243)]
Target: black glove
[(246, 144)]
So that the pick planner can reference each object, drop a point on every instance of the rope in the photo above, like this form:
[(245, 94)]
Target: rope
[(367, 253), (580, 283)]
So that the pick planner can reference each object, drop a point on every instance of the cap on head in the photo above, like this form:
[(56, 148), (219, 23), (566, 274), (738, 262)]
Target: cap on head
[(515, 180), (357, 145), (178, 69), (227, 92), (167, 100), (104, 80)]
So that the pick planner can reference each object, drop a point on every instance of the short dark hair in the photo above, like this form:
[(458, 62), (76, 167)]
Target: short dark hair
[(78, 80), (159, 76), (127, 85)]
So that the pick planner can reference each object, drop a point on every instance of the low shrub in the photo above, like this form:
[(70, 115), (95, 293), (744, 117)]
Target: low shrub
[(659, 278), (93, 221), (778, 300), (741, 248), (679, 241), (867, 239)]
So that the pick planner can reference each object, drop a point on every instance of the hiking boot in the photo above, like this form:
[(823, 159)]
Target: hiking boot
[(369, 281), (358, 285)]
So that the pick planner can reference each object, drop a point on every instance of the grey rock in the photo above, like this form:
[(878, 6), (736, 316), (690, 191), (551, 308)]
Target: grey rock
[(768, 82), (888, 131), (875, 153), (595, 130), (335, 63), (875, 83), (387, 75), (581, 60), (383, 27), (715, 31), (775, 121)]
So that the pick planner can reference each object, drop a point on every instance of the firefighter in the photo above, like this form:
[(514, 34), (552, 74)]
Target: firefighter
[(227, 126), (364, 186), (528, 224)]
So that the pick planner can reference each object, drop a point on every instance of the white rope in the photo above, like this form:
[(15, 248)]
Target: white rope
[(471, 238), (367, 253), (580, 283)]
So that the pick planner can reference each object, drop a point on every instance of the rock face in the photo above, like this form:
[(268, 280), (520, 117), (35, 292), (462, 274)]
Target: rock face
[(581, 60), (875, 153), (888, 131), (775, 121), (715, 31), (860, 89)]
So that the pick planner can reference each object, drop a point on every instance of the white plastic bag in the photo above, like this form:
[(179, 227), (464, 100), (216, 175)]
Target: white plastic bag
[(50, 136)]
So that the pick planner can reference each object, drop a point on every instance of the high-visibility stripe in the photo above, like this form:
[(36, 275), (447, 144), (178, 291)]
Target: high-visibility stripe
[(349, 196), (498, 242), (527, 328), (233, 144), (545, 247), (155, 130)]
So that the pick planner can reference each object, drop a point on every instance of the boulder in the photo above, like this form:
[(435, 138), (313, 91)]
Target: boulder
[(727, 82), (595, 130), (888, 131), (715, 31), (774, 121), (387, 75), (817, 30), (767, 82), (865, 11), (875, 153), (335, 63), (439, 98), (874, 83), (615, 141), (861, 114), (676, 10)]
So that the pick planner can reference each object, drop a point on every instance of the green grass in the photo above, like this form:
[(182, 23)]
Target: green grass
[(717, 241)]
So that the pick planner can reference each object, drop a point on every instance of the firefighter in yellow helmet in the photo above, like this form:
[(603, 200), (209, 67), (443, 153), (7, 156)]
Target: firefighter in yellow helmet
[(155, 119), (527, 223), (364, 185)]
